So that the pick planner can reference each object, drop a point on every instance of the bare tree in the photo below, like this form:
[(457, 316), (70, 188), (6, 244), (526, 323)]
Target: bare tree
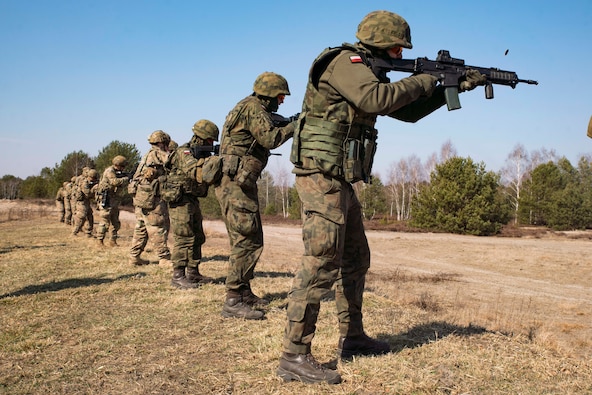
[(447, 151), (404, 179), (282, 179), (514, 174)]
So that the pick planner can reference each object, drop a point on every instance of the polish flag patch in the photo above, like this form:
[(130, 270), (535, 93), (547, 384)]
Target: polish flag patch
[(355, 59), (187, 152)]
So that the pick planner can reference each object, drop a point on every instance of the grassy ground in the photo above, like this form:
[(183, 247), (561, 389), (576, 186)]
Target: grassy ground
[(76, 318)]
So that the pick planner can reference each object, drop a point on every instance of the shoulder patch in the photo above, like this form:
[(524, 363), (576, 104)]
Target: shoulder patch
[(186, 152), (355, 59)]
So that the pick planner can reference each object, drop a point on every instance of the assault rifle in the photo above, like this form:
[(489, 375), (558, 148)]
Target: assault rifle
[(122, 174), (203, 151), (450, 72)]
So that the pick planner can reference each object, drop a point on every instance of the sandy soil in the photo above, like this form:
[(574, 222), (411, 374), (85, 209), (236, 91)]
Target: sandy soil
[(543, 282)]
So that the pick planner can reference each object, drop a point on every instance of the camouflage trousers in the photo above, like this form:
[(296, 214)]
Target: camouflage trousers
[(240, 210), (109, 218), (187, 231), (153, 226), (83, 217), (335, 252), (68, 212), (61, 210)]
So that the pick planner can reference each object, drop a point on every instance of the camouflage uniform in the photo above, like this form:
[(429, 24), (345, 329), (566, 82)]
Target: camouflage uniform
[(152, 216), (181, 190), (60, 203), (333, 148), (110, 190), (247, 138), (67, 203), (72, 193), (83, 215)]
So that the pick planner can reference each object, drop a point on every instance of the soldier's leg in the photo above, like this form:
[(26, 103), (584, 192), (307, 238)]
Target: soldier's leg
[(182, 242), (157, 224), (139, 239), (350, 287), (323, 233), (90, 220), (243, 225), (199, 238), (115, 224), (103, 224)]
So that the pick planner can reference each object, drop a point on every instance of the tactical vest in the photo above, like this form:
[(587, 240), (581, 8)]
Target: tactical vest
[(181, 178), (332, 137), (243, 158)]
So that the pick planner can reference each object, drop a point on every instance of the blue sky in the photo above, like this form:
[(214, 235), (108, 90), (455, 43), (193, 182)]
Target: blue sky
[(78, 74)]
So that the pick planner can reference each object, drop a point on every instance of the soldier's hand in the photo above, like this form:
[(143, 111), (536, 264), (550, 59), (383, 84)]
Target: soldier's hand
[(149, 173), (472, 79), (427, 82)]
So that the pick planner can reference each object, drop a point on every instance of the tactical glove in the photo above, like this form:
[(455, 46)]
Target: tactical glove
[(473, 78), (427, 82)]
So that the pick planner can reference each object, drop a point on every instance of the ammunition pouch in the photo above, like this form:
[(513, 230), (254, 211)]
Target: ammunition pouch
[(338, 150), (249, 170), (171, 188), (146, 195), (211, 172)]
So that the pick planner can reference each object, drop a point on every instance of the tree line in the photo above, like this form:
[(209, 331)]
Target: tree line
[(445, 193)]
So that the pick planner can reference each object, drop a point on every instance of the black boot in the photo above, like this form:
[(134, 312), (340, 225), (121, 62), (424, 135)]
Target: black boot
[(180, 281), (251, 299), (350, 346), (304, 368), (194, 276), (234, 307)]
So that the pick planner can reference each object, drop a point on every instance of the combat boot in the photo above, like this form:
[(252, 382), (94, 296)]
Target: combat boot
[(234, 307), (136, 260), (251, 299), (350, 346), (304, 368), (100, 243), (180, 281), (194, 276), (113, 243)]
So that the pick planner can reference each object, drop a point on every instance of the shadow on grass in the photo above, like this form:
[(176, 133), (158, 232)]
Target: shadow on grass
[(430, 333), (55, 286), (6, 250)]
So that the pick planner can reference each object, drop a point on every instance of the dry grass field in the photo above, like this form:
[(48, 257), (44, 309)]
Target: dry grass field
[(463, 315)]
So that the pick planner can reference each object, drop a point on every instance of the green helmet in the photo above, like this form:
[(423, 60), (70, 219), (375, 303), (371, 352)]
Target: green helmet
[(270, 85), (158, 136), (119, 160), (206, 130), (384, 29)]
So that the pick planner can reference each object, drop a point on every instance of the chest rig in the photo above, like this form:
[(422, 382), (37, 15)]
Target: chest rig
[(333, 137)]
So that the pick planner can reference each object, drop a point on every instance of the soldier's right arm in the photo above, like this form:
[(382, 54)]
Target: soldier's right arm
[(357, 83)]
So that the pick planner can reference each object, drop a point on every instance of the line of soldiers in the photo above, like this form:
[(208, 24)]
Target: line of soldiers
[(334, 142)]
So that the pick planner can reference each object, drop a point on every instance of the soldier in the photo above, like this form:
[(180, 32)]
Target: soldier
[(247, 138), (72, 192), (333, 149), (152, 216), (181, 190), (67, 203), (60, 202), (83, 215), (109, 192)]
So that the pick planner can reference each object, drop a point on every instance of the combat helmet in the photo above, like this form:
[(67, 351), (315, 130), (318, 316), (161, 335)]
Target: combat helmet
[(205, 129), (92, 174), (270, 85), (158, 136), (383, 30), (119, 160)]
